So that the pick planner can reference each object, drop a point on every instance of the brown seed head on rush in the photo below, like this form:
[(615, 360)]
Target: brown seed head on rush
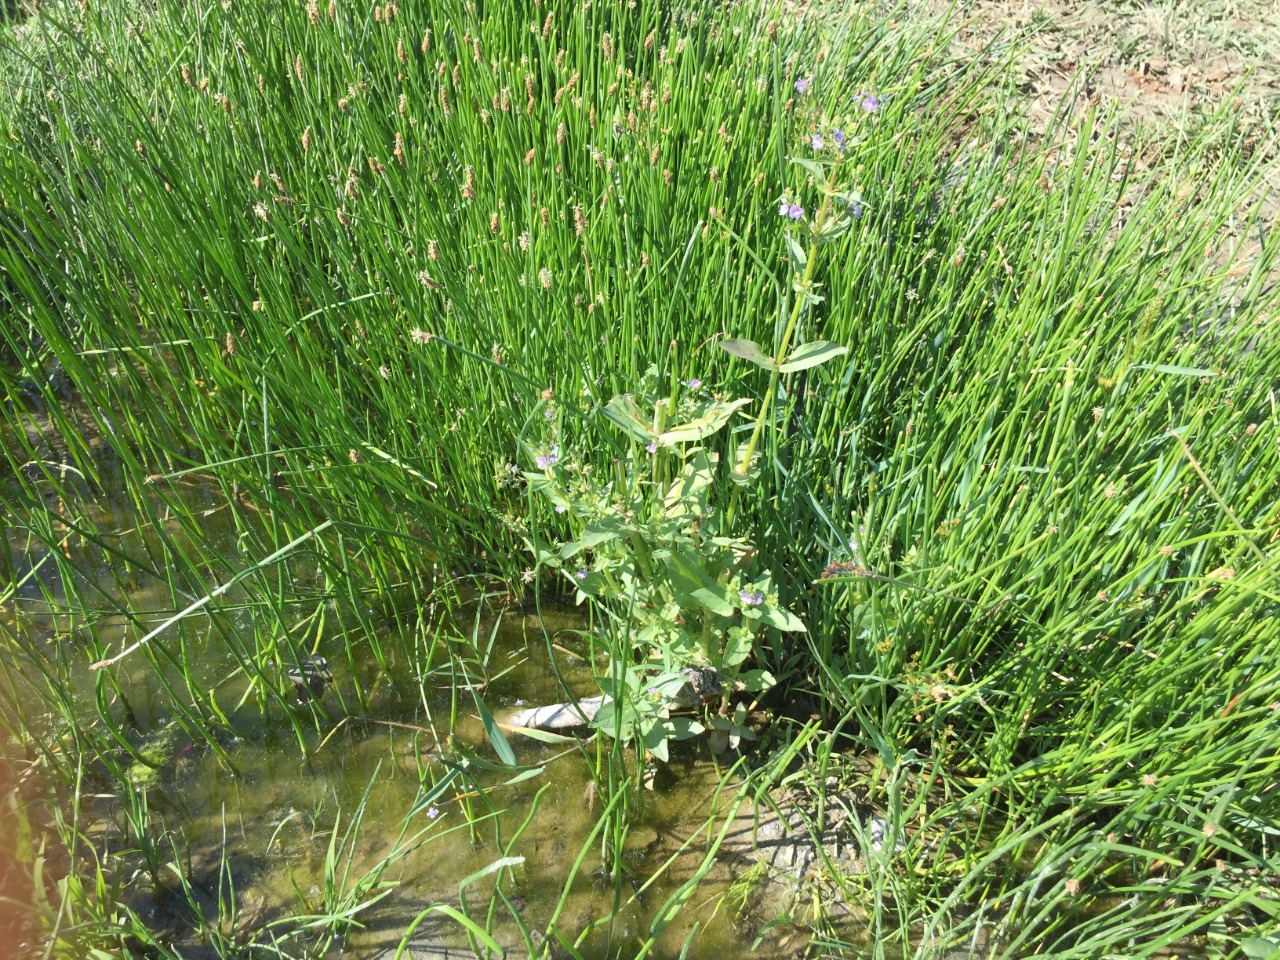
[(579, 220), (306, 140), (544, 277), (398, 149), (529, 157), (547, 25), (426, 41)]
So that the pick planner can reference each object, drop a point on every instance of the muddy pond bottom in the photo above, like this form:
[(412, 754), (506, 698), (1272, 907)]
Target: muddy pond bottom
[(398, 825)]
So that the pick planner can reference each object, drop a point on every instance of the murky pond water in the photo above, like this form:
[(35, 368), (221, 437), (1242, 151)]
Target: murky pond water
[(286, 809)]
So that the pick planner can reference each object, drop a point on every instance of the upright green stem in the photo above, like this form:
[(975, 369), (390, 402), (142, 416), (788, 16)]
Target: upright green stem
[(805, 280)]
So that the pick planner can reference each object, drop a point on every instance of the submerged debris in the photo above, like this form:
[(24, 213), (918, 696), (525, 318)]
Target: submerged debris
[(310, 677)]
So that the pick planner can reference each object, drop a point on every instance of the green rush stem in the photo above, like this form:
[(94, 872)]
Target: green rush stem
[(797, 307)]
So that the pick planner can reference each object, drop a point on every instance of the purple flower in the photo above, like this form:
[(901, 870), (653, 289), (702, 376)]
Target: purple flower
[(561, 508), (549, 414), (802, 85), (784, 208), (856, 210), (694, 384), (795, 212), (817, 141), (433, 812), (838, 137), (542, 463), (580, 575), (871, 103), (652, 447), (751, 599), (519, 702)]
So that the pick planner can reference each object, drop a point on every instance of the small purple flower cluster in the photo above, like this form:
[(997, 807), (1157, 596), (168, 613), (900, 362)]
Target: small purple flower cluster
[(837, 137), (693, 384), (792, 210), (802, 85), (652, 446), (870, 102), (855, 209), (580, 575), (750, 599), (550, 460)]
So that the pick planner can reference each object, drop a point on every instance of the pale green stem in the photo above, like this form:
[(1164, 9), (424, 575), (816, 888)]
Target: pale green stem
[(806, 278)]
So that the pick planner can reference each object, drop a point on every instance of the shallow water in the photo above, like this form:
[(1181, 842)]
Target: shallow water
[(380, 732)]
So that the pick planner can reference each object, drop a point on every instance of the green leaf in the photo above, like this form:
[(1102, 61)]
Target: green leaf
[(682, 728), (435, 793), (543, 736), (834, 228), (748, 350), (655, 740), (737, 647), (453, 913), (716, 416), (784, 620), (811, 354), (1259, 948), (757, 681), (713, 600), (688, 495), (811, 167), (1171, 368), (494, 733), (601, 531), (688, 577), (798, 257), (625, 413)]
